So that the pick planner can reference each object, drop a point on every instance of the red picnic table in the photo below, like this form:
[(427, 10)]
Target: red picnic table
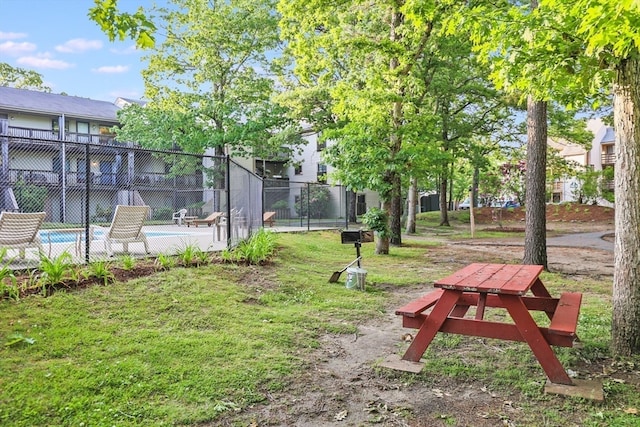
[(496, 285)]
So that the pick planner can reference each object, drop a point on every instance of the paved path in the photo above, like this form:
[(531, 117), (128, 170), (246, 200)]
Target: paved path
[(574, 240), (583, 240)]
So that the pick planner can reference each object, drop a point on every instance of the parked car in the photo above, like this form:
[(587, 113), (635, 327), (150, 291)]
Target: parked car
[(466, 204), (511, 204)]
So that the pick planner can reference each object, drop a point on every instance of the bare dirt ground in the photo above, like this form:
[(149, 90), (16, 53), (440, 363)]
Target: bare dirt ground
[(343, 386)]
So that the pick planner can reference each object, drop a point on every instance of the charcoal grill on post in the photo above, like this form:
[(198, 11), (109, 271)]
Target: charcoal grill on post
[(356, 237)]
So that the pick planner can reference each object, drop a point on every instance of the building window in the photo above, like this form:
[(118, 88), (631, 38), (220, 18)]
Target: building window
[(82, 127), (321, 145), (322, 173), (297, 169)]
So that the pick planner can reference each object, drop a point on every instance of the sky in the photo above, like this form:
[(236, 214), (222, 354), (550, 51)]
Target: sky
[(57, 39)]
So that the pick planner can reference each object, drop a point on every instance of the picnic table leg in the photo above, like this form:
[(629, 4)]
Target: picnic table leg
[(431, 325), (532, 335), (538, 289)]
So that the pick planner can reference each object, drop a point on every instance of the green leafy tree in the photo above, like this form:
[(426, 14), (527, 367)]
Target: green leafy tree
[(209, 81), (579, 52), (395, 98), (118, 24), (314, 202), (21, 78)]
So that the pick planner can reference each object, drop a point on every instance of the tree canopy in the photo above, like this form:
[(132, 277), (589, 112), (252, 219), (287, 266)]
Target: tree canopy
[(21, 78), (209, 82)]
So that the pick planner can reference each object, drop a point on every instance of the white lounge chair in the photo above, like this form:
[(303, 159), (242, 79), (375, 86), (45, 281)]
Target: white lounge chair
[(20, 231), (178, 217), (126, 227)]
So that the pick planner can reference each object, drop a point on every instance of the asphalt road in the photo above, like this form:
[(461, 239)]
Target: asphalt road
[(583, 240)]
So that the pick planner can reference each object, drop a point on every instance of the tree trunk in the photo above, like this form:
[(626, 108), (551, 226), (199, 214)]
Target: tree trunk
[(352, 216), (395, 217), (412, 199), (444, 215), (382, 243), (625, 332), (535, 238), (474, 186)]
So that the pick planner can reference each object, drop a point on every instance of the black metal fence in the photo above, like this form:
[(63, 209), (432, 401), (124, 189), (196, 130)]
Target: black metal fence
[(307, 205)]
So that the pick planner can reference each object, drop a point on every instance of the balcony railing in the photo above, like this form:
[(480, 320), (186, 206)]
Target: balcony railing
[(608, 159), (49, 135), (143, 179)]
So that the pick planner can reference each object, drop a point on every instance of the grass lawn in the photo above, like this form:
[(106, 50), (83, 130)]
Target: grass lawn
[(189, 346)]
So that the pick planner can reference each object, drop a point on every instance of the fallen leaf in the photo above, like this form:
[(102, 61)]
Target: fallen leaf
[(340, 416)]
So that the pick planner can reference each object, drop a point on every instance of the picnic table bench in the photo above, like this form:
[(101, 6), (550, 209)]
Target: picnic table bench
[(496, 286)]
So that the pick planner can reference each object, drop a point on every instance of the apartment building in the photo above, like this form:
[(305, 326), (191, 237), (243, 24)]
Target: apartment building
[(600, 156), (64, 145)]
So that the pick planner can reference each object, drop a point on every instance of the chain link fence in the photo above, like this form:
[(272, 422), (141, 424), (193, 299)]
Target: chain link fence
[(307, 205), (79, 185)]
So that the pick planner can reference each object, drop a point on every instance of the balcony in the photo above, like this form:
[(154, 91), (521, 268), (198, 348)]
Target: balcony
[(104, 180), (29, 135), (161, 180), (608, 159)]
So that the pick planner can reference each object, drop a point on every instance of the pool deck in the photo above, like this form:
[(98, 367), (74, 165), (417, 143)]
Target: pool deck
[(204, 237)]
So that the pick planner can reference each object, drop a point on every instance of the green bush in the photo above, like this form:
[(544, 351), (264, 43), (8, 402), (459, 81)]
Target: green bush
[(30, 198), (318, 202), (378, 221), (162, 214), (280, 204)]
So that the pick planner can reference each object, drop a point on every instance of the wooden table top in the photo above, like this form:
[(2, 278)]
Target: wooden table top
[(511, 279)]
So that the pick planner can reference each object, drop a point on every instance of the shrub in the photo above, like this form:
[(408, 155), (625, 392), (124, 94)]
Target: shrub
[(318, 202), (162, 214), (255, 250), (280, 204), (378, 221), (30, 197)]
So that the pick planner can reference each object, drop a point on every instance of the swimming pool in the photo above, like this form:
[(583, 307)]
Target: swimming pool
[(52, 236)]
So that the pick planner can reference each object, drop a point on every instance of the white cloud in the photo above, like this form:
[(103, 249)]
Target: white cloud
[(44, 62), (12, 36), (15, 49), (79, 45), (112, 69), (128, 51)]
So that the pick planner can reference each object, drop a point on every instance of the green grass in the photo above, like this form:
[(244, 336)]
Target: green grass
[(185, 345), (178, 347)]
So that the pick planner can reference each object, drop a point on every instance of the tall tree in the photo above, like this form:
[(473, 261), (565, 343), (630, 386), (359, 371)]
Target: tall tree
[(573, 52), (364, 55), (598, 37), (209, 80), (401, 96)]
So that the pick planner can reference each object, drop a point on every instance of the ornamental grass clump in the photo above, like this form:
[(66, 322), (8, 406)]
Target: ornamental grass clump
[(255, 250), (56, 270)]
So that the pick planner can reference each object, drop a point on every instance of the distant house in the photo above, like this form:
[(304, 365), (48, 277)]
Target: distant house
[(599, 157)]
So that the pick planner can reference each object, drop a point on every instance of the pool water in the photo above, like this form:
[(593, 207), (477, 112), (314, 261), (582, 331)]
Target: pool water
[(57, 237)]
